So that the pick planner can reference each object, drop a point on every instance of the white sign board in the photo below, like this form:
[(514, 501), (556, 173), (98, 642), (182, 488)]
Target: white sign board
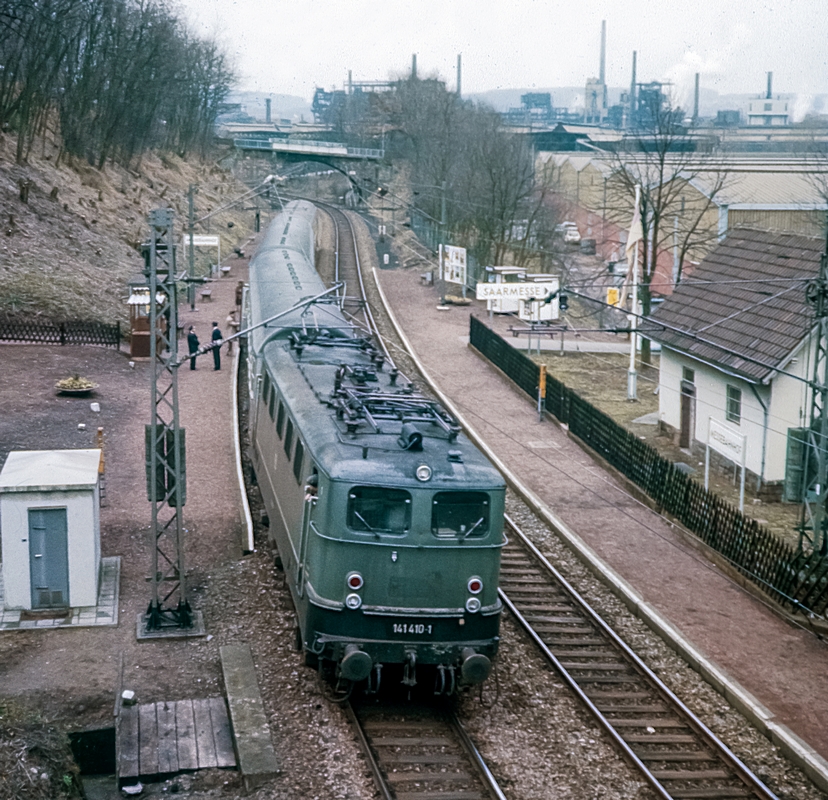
[(453, 264), (727, 441), (730, 443), (515, 291), (202, 240)]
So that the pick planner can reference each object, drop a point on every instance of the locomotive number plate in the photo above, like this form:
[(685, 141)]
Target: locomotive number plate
[(411, 628)]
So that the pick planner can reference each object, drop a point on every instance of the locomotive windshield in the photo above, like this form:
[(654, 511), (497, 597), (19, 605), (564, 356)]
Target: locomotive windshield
[(460, 514), (377, 510)]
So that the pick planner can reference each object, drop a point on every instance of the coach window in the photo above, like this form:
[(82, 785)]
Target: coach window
[(733, 412), (288, 436), (265, 386), (271, 401), (378, 510), (460, 514), (280, 419), (297, 460)]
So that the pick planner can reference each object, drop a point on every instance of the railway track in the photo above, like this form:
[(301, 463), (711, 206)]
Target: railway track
[(677, 755), (421, 753), (348, 271)]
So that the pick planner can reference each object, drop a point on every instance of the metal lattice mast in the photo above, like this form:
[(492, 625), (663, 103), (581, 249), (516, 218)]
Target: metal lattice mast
[(815, 490), (166, 487)]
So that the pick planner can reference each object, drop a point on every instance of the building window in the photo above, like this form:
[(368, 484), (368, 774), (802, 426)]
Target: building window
[(734, 405), (688, 375)]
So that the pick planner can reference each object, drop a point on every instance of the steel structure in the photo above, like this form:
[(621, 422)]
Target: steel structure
[(815, 475), (166, 488)]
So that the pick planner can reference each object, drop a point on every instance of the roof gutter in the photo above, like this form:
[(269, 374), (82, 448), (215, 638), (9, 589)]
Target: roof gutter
[(711, 364)]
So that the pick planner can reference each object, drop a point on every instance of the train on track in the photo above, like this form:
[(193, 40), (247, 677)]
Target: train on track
[(387, 519)]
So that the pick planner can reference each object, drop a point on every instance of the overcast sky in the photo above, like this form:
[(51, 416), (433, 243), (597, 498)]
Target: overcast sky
[(292, 47)]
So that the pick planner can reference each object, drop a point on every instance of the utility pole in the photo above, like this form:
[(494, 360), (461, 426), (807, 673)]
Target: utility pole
[(813, 517), (632, 375), (191, 289), (169, 609)]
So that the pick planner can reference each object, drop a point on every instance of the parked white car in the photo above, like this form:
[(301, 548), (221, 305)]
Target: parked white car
[(572, 235)]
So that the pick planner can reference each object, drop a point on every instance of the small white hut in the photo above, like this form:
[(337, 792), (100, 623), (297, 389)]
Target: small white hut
[(50, 528)]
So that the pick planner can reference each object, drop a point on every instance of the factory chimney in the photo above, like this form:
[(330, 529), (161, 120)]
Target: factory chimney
[(459, 73), (696, 102), (414, 66), (267, 110), (350, 82), (770, 86), (602, 71), (632, 93)]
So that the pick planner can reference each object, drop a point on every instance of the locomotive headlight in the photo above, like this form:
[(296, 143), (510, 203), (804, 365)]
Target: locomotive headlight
[(423, 473), (475, 585), (354, 581), (354, 601), (472, 605)]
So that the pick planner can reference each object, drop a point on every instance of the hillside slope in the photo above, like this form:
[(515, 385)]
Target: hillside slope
[(68, 252)]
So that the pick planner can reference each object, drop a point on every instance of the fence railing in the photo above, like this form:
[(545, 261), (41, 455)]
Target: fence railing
[(77, 332), (794, 579)]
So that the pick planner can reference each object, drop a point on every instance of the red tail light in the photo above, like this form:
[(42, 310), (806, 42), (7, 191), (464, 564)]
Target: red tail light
[(354, 581), (475, 585)]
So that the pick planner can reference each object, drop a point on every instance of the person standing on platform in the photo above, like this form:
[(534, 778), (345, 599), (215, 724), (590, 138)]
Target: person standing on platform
[(216, 339), (192, 346)]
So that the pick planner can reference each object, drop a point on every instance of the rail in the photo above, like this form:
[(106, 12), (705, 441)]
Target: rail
[(421, 752), (675, 752)]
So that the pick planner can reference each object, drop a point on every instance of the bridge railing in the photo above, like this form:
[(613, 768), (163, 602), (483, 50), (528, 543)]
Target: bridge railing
[(306, 146)]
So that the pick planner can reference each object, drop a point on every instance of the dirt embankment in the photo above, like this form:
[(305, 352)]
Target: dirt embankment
[(70, 234)]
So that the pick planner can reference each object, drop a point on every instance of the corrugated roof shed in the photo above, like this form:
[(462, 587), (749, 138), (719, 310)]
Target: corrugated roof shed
[(745, 303), (786, 189)]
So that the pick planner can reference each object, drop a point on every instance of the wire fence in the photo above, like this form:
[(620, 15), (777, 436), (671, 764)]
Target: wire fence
[(77, 332), (792, 578)]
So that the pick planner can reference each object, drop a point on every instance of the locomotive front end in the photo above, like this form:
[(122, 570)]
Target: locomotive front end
[(406, 573)]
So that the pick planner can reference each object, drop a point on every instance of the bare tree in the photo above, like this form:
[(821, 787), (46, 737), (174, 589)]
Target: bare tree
[(662, 159)]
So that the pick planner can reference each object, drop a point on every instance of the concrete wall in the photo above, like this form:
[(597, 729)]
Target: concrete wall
[(785, 400), (83, 538)]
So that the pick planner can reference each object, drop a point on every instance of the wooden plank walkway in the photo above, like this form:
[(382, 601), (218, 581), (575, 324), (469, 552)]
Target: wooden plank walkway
[(165, 738)]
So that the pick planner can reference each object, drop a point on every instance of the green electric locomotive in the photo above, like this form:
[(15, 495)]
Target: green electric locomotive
[(388, 521)]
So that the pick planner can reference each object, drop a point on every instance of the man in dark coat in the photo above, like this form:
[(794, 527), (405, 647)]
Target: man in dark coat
[(216, 339), (192, 346)]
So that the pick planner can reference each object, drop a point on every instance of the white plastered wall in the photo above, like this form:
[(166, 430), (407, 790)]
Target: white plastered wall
[(83, 540), (784, 399)]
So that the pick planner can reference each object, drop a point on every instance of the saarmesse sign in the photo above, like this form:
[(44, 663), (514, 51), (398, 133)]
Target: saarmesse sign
[(515, 291)]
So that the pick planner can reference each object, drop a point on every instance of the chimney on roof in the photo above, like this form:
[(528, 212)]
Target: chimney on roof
[(602, 71), (459, 73), (696, 102), (770, 86)]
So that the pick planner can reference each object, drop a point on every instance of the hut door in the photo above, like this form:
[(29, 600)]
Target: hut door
[(688, 413), (48, 557)]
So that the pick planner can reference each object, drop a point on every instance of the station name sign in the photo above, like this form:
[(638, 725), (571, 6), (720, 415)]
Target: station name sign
[(515, 291), (201, 240), (727, 442)]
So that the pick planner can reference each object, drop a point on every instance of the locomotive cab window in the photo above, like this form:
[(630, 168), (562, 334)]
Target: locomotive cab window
[(271, 402), (288, 437), (460, 514), (378, 510)]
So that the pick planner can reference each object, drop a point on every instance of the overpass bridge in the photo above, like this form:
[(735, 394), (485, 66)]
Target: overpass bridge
[(307, 150)]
